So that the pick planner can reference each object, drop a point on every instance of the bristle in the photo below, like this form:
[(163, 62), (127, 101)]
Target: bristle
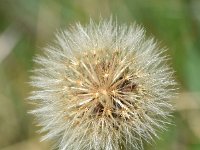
[(103, 87)]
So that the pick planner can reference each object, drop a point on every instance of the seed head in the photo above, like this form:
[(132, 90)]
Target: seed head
[(102, 87)]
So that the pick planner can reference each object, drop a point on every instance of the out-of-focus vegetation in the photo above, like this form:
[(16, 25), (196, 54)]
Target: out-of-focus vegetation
[(27, 25)]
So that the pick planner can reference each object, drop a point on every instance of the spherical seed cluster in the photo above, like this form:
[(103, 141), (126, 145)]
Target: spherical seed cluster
[(102, 87)]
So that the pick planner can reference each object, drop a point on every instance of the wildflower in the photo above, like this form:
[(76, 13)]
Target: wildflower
[(103, 87)]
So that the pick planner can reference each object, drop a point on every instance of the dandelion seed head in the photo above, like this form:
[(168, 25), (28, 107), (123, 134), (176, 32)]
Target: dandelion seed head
[(102, 86)]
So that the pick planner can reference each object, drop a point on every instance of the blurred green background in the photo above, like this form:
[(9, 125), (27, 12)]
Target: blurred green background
[(28, 25)]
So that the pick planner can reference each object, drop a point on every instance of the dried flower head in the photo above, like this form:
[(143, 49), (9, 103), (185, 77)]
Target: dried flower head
[(102, 87)]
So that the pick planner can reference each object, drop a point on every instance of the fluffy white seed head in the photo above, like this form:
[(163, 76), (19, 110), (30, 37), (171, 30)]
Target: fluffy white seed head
[(102, 87)]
